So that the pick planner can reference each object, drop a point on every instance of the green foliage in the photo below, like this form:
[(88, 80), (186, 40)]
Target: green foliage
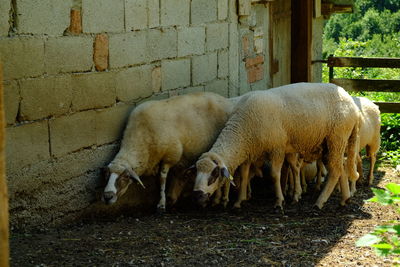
[(385, 239), (371, 31)]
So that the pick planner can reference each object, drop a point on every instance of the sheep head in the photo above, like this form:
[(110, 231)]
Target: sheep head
[(211, 173), (119, 179)]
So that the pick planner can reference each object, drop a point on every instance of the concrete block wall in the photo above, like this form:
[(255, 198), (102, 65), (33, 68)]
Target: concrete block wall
[(74, 69)]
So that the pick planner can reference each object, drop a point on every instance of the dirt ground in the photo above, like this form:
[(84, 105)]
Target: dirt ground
[(256, 236)]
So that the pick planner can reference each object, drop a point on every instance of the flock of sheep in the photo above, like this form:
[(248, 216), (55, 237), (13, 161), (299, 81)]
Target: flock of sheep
[(301, 131)]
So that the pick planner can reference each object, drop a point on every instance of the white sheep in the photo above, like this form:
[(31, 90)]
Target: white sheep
[(296, 118), (161, 134), (370, 137)]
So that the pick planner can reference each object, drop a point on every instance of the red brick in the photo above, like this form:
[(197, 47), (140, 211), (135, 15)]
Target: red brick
[(100, 54), (75, 26), (250, 62), (255, 73)]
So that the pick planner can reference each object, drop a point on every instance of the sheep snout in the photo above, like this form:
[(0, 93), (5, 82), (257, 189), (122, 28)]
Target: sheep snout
[(109, 197), (200, 198)]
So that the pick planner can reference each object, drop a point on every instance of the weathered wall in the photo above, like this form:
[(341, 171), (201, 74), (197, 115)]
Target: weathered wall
[(73, 70)]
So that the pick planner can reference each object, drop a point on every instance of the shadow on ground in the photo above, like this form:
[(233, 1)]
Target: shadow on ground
[(257, 236)]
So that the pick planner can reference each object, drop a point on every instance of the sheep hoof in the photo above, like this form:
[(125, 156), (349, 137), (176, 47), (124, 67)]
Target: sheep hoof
[(318, 206), (236, 211), (160, 210)]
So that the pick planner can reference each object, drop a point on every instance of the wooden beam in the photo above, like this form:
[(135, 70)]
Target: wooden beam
[(4, 230), (301, 35), (388, 107), (368, 85), (329, 8), (364, 62)]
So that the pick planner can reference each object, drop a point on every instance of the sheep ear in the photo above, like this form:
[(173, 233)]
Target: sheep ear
[(105, 172), (190, 172), (225, 173), (132, 174)]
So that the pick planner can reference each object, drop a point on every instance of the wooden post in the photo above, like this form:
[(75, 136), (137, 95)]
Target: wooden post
[(302, 14), (4, 234)]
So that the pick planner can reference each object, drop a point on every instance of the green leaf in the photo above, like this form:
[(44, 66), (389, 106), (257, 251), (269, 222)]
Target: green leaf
[(368, 240), (382, 246), (394, 188), (383, 196), (382, 252)]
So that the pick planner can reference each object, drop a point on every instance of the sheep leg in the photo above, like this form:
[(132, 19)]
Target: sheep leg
[(359, 169), (248, 191), (244, 173), (335, 170), (163, 182), (276, 166), (353, 151), (372, 160), (285, 179), (225, 195), (294, 163), (303, 180), (320, 167), (217, 198)]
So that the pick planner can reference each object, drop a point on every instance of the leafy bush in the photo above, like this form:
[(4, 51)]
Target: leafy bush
[(385, 239)]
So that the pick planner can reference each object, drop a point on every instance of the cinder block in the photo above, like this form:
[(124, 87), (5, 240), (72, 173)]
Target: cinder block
[(135, 14), (44, 97), (127, 49), (11, 101), (93, 90), (68, 54), (191, 41), (175, 73), (219, 87), (49, 17), (5, 6), (110, 123), (27, 144), (190, 90), (100, 53), (217, 36), (154, 13), (223, 63), (234, 58), (175, 12), (103, 16), (156, 79), (204, 68), (22, 57), (134, 83), (162, 44), (203, 11), (73, 132), (222, 9)]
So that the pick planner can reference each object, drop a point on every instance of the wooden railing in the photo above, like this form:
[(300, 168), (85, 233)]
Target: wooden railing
[(367, 85)]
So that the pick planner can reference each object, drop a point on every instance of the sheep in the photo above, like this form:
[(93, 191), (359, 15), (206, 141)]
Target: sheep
[(370, 138), (311, 170), (295, 118), (162, 134)]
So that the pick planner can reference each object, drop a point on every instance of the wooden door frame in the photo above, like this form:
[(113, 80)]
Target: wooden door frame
[(302, 15)]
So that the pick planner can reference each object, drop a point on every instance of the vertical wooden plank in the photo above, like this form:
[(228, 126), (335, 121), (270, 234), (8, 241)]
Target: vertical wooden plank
[(280, 60), (302, 13), (244, 7), (4, 231)]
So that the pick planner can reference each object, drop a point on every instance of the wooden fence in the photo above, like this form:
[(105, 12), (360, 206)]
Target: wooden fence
[(367, 85)]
